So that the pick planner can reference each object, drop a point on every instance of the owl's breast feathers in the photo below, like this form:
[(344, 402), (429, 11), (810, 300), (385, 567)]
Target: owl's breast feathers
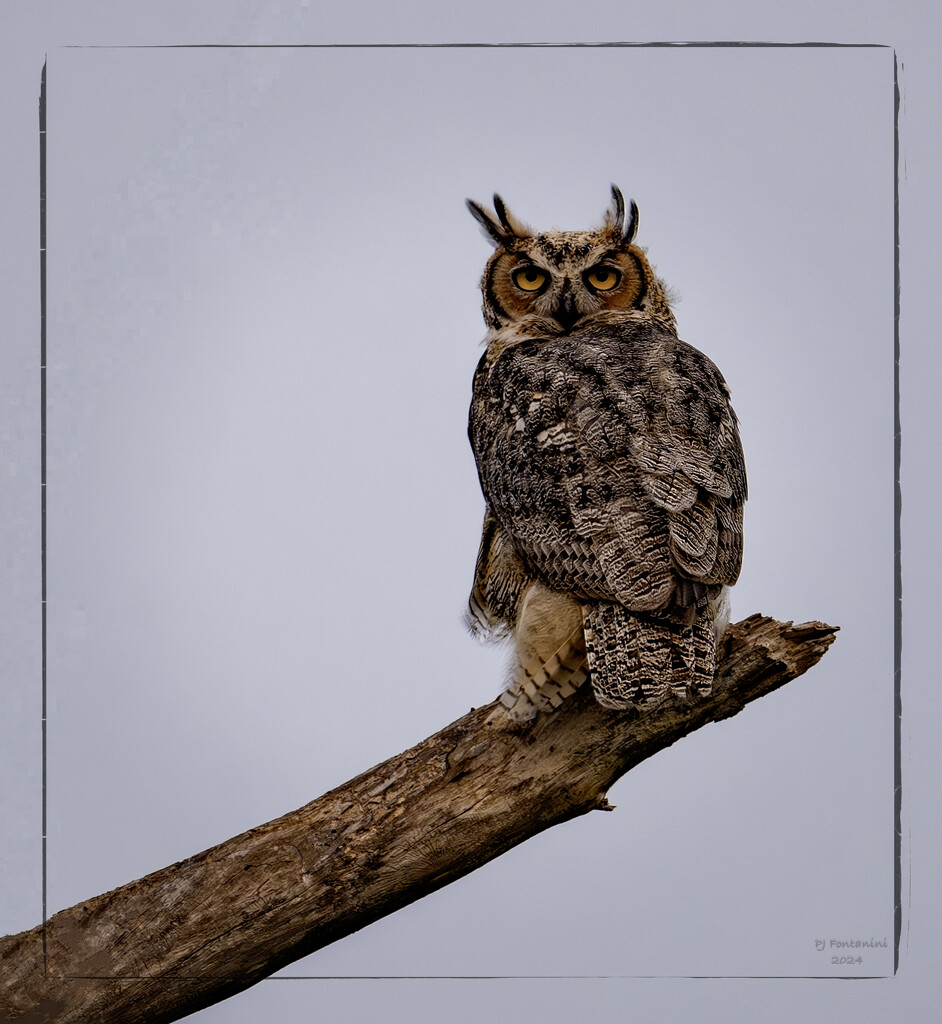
[(611, 458)]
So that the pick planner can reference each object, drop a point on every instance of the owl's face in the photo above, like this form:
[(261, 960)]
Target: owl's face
[(551, 282)]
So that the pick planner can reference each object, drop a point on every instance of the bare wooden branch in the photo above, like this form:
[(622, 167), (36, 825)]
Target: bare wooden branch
[(198, 931)]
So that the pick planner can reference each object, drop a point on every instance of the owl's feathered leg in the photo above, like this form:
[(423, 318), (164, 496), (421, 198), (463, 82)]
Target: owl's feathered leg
[(549, 661), (638, 658)]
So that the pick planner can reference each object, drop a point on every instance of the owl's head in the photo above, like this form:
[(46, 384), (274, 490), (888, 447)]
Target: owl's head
[(550, 282)]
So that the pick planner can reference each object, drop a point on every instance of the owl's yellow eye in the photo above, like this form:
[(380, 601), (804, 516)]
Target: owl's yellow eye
[(602, 279), (530, 279)]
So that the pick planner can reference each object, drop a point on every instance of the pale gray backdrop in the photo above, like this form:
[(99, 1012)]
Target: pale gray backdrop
[(263, 514)]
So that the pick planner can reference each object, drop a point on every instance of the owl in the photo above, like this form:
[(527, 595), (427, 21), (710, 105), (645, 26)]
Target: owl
[(612, 471)]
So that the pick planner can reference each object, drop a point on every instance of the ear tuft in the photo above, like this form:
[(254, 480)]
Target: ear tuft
[(624, 228), (501, 227)]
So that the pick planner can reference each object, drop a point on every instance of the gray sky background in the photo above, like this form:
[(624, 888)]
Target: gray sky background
[(263, 512)]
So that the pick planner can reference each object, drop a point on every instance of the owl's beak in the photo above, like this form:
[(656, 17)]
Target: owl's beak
[(566, 313)]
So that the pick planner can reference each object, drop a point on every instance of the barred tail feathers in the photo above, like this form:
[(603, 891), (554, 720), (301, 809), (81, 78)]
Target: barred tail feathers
[(637, 659)]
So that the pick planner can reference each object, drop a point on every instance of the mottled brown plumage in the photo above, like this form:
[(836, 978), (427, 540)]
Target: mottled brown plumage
[(610, 461)]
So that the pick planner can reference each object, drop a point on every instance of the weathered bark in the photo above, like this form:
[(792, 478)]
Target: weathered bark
[(194, 933)]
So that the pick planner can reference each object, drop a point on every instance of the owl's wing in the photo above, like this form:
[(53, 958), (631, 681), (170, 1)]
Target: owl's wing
[(499, 582), (662, 481), (691, 461)]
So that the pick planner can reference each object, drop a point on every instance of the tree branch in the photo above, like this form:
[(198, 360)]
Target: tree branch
[(210, 926)]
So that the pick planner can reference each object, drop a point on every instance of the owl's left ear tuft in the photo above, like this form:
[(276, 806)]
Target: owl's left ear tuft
[(500, 227), (625, 229)]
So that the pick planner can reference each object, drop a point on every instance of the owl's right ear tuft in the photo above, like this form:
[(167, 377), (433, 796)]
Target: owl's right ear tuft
[(624, 227), (502, 228)]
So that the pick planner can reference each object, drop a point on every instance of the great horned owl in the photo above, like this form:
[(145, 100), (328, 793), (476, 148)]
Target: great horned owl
[(611, 465)]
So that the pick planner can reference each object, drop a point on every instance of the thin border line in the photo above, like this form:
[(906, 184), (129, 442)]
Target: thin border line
[(42, 456), (897, 503), (445, 46), (897, 555), (169, 978)]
